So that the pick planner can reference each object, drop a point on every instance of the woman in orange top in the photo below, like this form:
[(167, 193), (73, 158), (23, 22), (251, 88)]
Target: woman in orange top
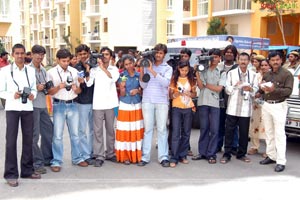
[(182, 90)]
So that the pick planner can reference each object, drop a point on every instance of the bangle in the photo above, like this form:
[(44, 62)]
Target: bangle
[(174, 96)]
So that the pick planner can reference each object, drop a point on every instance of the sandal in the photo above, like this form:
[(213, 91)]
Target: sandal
[(244, 158), (198, 157), (212, 160), (184, 161), (172, 164), (224, 160)]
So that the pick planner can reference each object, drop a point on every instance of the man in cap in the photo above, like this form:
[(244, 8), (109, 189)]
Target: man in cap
[(293, 59)]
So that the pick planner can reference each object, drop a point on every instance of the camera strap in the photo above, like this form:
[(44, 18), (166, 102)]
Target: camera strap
[(60, 75), (12, 75), (39, 78), (240, 76)]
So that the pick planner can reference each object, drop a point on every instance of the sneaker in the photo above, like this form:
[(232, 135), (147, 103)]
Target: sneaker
[(98, 163), (142, 163), (90, 161), (41, 170), (165, 163), (112, 159)]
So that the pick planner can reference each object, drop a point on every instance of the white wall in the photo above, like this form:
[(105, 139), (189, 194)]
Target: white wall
[(244, 28)]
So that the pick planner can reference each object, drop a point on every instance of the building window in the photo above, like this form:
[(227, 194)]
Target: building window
[(105, 25), (238, 4), (186, 29), (186, 5), (288, 29), (83, 5), (170, 27), (105, 1), (202, 7), (84, 28), (233, 29), (4, 5), (271, 28), (170, 4)]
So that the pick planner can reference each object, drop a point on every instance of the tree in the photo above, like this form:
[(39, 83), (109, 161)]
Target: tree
[(278, 8), (215, 27)]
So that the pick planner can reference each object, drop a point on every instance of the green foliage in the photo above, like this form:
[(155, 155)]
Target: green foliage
[(215, 27)]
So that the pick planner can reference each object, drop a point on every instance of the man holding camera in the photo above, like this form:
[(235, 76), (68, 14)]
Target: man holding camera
[(85, 100), (155, 105), (18, 87), (42, 124), (64, 93)]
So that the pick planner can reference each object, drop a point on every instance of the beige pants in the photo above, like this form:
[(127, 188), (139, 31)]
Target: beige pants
[(274, 116)]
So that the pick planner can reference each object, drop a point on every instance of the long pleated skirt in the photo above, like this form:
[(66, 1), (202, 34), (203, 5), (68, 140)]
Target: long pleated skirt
[(129, 133)]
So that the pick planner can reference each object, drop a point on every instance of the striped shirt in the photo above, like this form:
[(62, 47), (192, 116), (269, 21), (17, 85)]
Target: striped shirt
[(156, 90), (240, 102)]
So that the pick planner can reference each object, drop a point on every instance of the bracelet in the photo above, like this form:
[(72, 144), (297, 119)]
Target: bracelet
[(174, 96)]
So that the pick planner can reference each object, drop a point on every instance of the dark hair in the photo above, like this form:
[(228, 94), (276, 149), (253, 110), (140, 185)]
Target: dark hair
[(28, 53), (265, 60), (233, 49), (3, 53), (176, 74), (63, 53), (106, 49), (230, 37), (128, 57), (18, 46), (274, 54), (186, 51), (161, 47), (214, 51), (245, 54), (82, 47), (253, 53), (38, 49)]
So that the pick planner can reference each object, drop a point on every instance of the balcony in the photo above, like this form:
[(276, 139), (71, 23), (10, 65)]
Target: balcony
[(60, 1), (33, 42), (60, 41), (46, 42), (34, 27), (92, 38), (61, 20), (22, 22), (233, 7), (45, 5), (93, 11), (46, 24), (33, 10)]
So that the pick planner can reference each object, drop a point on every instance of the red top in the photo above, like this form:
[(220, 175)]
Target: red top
[(3, 62)]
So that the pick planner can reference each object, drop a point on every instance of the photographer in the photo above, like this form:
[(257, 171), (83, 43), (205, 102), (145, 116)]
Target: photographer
[(211, 82), (155, 106), (42, 124), (85, 100), (65, 91), (18, 87)]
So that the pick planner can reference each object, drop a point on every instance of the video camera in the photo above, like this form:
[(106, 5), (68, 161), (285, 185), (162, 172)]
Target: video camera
[(69, 83), (174, 60), (48, 85), (25, 94), (203, 61), (92, 62), (147, 57)]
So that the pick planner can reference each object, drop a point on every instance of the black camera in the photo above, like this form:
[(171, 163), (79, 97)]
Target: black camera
[(69, 83), (25, 94), (48, 85), (174, 60), (92, 62), (147, 57), (204, 61)]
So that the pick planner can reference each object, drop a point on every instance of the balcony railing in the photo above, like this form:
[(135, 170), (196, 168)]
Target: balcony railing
[(94, 10), (45, 4), (59, 41), (46, 23), (34, 10), (60, 1), (61, 19), (238, 5), (46, 42), (34, 26)]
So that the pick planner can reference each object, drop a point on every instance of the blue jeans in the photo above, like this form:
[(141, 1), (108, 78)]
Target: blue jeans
[(62, 113), (155, 113), (209, 128), (181, 132), (86, 129)]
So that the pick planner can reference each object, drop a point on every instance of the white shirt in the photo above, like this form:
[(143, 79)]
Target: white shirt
[(105, 91), (8, 87), (238, 104), (58, 75)]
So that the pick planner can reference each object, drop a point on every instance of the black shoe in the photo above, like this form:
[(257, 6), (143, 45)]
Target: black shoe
[(279, 168), (198, 157), (142, 163), (234, 151), (267, 161), (90, 161), (112, 159), (165, 163), (98, 163)]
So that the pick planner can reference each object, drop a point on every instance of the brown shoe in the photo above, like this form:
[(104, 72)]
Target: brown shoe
[(252, 151), (55, 168), (83, 164), (12, 182), (34, 176)]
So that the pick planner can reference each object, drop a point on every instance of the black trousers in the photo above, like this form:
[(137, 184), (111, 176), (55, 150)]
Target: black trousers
[(243, 124), (11, 160)]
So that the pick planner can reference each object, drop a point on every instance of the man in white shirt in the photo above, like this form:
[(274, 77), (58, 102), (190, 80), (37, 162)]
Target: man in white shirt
[(104, 78), (64, 93), (241, 86), (18, 87)]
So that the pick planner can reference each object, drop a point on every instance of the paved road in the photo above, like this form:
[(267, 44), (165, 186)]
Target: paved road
[(196, 180)]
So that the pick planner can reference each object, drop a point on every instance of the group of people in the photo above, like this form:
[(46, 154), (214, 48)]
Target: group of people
[(233, 99)]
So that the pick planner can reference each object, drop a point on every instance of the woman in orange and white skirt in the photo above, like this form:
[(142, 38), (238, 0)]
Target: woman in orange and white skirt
[(130, 124)]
